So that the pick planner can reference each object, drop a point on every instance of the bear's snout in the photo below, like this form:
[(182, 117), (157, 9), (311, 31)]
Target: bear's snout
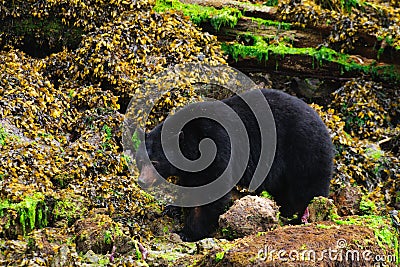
[(147, 177)]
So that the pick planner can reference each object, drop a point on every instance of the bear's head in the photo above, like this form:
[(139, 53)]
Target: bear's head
[(151, 160)]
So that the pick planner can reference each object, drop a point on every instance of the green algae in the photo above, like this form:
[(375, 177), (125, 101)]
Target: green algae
[(3, 136), (367, 206), (277, 24), (226, 16), (219, 256), (271, 3), (265, 194), (68, 209), (384, 233), (264, 51), (324, 226), (7, 137), (32, 212)]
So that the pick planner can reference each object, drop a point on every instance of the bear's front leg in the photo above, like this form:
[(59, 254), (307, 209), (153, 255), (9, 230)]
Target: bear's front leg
[(201, 222)]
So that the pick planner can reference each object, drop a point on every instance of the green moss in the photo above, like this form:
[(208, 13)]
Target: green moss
[(264, 51), (265, 194), (271, 2), (277, 24), (229, 233), (68, 209), (136, 140), (367, 206), (32, 212), (3, 136), (384, 232), (324, 226), (219, 256), (108, 237), (199, 14)]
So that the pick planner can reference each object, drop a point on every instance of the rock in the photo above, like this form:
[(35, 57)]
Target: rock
[(174, 237), (261, 79), (321, 209), (91, 257), (348, 200), (312, 88), (99, 234), (206, 244), (249, 215), (325, 244), (62, 258)]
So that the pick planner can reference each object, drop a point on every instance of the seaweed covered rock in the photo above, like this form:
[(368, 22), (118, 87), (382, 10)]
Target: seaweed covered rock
[(100, 233), (43, 27), (347, 200), (359, 158), (321, 209), (345, 243), (348, 21)]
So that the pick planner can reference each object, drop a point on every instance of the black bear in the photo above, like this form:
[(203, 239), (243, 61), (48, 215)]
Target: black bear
[(301, 169)]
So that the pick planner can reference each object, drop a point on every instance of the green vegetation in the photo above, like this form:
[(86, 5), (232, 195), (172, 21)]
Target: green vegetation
[(265, 194), (373, 153), (325, 209), (198, 14), (108, 237), (68, 209), (219, 256), (32, 212), (137, 251), (3, 136), (271, 2), (385, 234), (277, 24), (228, 233), (324, 226), (136, 140), (264, 51), (107, 138), (367, 206)]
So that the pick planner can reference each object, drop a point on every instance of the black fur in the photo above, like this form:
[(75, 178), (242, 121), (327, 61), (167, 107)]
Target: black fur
[(301, 170)]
